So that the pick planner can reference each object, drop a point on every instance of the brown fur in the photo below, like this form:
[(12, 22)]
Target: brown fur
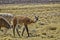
[(22, 20)]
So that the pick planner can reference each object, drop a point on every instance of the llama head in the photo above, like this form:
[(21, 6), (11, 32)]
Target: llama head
[(36, 19)]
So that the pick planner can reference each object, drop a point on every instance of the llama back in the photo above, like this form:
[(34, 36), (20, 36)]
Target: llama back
[(4, 23), (7, 16)]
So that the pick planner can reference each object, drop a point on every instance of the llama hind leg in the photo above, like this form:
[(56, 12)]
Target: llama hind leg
[(14, 31), (17, 32), (5, 31), (1, 29), (23, 31), (27, 30)]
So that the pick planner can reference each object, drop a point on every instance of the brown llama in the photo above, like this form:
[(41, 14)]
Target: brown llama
[(4, 23), (22, 20)]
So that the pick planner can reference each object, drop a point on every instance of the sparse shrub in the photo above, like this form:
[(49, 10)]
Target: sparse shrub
[(52, 28), (43, 33), (51, 36), (42, 23), (9, 39)]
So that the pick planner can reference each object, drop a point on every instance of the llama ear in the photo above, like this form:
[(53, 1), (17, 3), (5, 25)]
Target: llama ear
[(36, 17)]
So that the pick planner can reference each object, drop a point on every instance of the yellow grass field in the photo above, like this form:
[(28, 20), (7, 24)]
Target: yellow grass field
[(47, 27)]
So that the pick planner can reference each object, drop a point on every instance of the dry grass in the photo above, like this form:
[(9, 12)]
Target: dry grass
[(48, 26)]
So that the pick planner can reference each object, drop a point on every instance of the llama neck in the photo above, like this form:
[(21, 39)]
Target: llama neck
[(34, 21)]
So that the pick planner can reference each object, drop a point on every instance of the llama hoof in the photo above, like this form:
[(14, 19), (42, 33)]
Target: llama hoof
[(20, 37), (22, 34), (14, 36), (28, 36)]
